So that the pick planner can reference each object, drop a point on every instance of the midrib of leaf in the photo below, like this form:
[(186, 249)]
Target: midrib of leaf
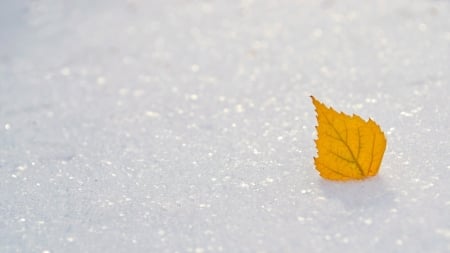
[(345, 144)]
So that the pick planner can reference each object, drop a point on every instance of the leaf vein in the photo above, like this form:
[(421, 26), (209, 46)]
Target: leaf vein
[(334, 171), (346, 145)]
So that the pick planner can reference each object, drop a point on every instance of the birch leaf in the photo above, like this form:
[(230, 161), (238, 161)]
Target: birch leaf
[(348, 147)]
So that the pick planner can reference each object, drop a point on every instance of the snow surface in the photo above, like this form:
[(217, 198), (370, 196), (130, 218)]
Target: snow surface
[(186, 126)]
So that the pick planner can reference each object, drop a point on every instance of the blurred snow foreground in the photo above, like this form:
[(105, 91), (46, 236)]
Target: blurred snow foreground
[(186, 126)]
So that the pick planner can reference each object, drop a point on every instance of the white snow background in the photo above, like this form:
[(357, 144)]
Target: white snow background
[(186, 126)]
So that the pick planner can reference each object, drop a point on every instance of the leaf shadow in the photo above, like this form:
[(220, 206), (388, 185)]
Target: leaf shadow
[(373, 192)]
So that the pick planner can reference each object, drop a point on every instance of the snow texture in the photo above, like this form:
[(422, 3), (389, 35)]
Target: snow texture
[(186, 126)]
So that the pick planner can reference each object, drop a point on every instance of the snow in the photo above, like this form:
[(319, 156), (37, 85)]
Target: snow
[(186, 126)]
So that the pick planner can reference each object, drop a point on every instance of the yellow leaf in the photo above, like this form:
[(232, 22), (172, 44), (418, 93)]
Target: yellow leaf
[(348, 147)]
